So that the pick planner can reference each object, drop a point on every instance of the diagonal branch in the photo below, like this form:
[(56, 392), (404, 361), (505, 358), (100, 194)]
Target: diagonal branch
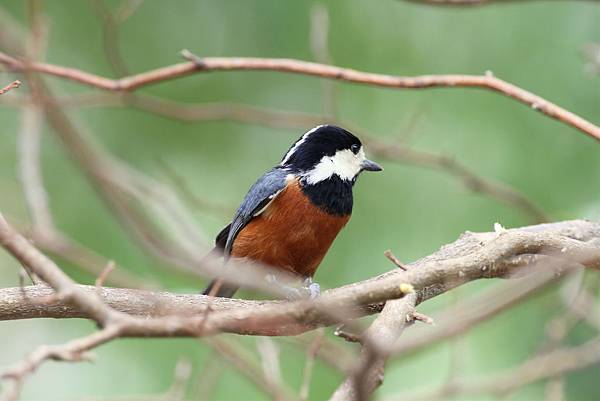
[(541, 367), (298, 120), (377, 342), (460, 318)]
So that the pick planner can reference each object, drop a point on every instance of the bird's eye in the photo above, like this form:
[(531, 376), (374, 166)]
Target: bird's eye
[(355, 148)]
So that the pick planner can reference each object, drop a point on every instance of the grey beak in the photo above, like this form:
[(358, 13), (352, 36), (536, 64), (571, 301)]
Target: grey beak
[(369, 165)]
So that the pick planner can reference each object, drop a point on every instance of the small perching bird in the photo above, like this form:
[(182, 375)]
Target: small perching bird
[(292, 214)]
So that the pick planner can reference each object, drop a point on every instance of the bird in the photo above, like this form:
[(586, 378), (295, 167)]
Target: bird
[(292, 214)]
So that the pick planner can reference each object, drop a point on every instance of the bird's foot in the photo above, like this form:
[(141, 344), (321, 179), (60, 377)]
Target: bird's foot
[(313, 288), (291, 293), (309, 288)]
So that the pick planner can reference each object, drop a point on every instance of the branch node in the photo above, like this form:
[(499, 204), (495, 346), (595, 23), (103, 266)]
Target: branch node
[(499, 228), (421, 317), (198, 61), (347, 335), (110, 266)]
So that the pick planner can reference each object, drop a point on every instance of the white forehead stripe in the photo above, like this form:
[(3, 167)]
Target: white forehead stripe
[(298, 143), (344, 164)]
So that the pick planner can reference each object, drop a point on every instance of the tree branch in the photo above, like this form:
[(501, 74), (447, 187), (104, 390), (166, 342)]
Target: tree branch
[(298, 120), (541, 367), (473, 256), (10, 86), (209, 64), (460, 318), (377, 342)]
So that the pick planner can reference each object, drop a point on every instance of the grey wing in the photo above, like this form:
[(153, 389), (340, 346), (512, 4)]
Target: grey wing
[(264, 190)]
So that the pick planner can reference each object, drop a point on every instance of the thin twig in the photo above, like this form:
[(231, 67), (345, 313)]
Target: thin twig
[(459, 319), (541, 367), (10, 86), (388, 254), (181, 379), (269, 359), (298, 121), (241, 359), (110, 266), (311, 353)]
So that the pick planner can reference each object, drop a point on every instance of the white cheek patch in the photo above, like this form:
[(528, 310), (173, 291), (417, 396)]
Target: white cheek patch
[(344, 164)]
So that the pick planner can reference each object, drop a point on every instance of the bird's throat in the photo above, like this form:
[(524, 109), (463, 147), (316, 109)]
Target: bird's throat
[(333, 195)]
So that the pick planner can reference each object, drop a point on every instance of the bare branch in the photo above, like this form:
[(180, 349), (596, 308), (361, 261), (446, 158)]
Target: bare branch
[(58, 244), (269, 358), (298, 120), (209, 64), (462, 317), (74, 350), (473, 256), (181, 379), (552, 364), (470, 179), (245, 364), (311, 353), (50, 273), (10, 86), (377, 342)]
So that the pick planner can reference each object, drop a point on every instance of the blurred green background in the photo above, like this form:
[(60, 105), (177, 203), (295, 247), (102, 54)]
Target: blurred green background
[(412, 210)]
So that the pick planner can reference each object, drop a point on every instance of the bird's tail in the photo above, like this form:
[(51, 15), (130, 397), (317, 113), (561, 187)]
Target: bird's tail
[(217, 287)]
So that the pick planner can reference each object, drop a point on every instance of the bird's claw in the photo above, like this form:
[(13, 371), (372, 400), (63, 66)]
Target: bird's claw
[(314, 289), (309, 288)]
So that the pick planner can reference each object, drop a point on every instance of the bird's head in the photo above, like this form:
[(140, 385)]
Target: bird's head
[(325, 151)]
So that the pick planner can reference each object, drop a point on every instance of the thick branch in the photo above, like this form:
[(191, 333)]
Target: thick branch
[(473, 256), (209, 64)]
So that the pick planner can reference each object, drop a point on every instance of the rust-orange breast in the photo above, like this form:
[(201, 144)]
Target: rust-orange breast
[(291, 234)]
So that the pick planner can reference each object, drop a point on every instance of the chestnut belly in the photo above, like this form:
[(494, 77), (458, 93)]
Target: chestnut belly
[(291, 234)]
